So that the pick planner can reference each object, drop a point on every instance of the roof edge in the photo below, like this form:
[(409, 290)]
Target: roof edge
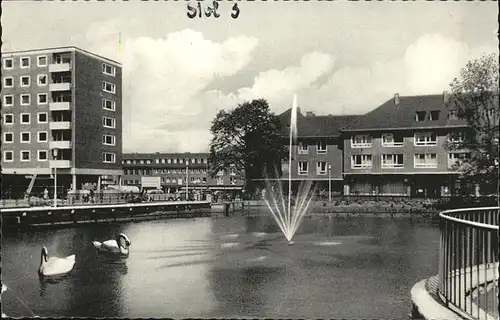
[(70, 48), (405, 128)]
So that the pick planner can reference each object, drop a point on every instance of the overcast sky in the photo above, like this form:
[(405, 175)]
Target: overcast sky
[(338, 57)]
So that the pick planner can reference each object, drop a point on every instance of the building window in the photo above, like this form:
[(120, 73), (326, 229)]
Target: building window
[(434, 115), (41, 80), (361, 141), (361, 161), (25, 99), (108, 140), (42, 61), (25, 81), (8, 82), (391, 140), (42, 155), (108, 157), (25, 62), (108, 87), (456, 137), (25, 137), (321, 167), (321, 147), (108, 70), (8, 63), (42, 98), (8, 101), (25, 155), (108, 122), (25, 118), (8, 118), (303, 168), (42, 117), (420, 116), (8, 156), (42, 136), (453, 114), (425, 139), (8, 137), (303, 148), (391, 161), (425, 160), (108, 105), (455, 159)]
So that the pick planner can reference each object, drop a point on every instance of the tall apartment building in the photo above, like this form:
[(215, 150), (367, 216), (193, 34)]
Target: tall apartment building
[(64, 99), (317, 156), (399, 148), (172, 167)]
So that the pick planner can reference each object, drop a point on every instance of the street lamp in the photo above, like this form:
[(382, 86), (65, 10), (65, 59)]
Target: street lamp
[(187, 179), (55, 151), (329, 182)]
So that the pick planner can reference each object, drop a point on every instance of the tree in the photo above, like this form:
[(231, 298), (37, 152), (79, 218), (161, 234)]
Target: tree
[(247, 139), (475, 98)]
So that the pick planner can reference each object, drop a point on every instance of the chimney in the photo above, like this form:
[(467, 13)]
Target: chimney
[(445, 96), (309, 114), (396, 99)]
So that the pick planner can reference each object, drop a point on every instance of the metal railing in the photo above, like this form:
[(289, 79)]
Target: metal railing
[(468, 262), (67, 198)]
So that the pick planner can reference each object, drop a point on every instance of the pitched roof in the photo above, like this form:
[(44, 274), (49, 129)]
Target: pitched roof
[(403, 115), (315, 126)]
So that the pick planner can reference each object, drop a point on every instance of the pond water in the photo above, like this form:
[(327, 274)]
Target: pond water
[(226, 267)]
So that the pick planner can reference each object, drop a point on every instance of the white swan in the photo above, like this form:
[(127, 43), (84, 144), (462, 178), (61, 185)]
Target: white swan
[(55, 266), (120, 246)]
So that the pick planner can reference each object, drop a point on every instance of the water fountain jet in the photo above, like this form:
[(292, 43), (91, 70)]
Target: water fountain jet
[(288, 217)]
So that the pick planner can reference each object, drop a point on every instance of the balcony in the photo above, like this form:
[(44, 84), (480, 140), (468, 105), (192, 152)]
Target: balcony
[(60, 144), (59, 67), (58, 106), (60, 164), (62, 86), (60, 125)]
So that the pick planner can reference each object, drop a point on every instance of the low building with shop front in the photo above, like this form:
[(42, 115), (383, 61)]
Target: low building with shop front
[(177, 171)]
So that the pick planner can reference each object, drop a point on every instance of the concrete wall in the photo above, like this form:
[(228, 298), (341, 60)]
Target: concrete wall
[(33, 109), (89, 113)]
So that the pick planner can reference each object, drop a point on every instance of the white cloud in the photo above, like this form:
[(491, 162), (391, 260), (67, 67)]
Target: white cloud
[(168, 106), (162, 82), (428, 67)]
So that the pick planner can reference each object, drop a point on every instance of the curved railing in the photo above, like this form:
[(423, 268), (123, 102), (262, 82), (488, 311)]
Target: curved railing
[(468, 262)]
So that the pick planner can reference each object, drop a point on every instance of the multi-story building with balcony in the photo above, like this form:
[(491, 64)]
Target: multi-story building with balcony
[(61, 112), (175, 168), (317, 154), (399, 148)]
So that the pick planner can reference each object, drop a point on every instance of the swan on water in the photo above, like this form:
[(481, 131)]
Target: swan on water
[(55, 266), (120, 246)]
